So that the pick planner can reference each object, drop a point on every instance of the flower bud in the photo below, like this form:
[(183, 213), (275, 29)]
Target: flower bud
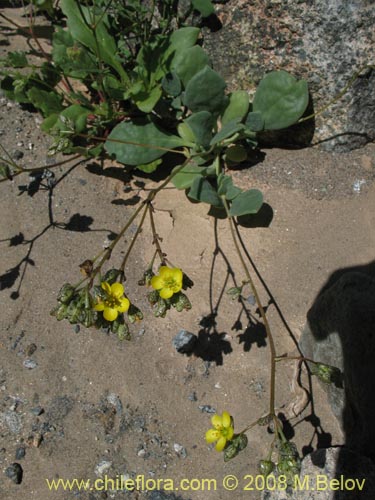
[(237, 444), (134, 314), (111, 276), (265, 467)]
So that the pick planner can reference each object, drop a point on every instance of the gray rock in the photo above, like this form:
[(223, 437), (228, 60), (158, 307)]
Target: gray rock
[(17, 154), (102, 467), (323, 41), (207, 409), (184, 341), (352, 475), (38, 410), (30, 364), (15, 473), (340, 332), (20, 452), (59, 408), (12, 420)]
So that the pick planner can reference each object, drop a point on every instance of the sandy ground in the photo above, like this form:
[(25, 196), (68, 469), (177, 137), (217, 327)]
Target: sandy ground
[(126, 407)]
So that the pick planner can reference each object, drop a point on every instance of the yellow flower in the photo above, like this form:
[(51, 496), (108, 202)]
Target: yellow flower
[(168, 282), (114, 302), (222, 432)]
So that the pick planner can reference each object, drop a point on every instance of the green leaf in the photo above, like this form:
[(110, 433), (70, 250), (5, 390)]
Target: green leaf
[(189, 62), (248, 202), (146, 100), (17, 59), (148, 168), (201, 124), (78, 115), (182, 39), (103, 45), (49, 122), (47, 102), (113, 87), (204, 7), (72, 57), (186, 176), (237, 108), (226, 187), (148, 138), (171, 84), (255, 121), (280, 99), (202, 190), (227, 131), (205, 91)]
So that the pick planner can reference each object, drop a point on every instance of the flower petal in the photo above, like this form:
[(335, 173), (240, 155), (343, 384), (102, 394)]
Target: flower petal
[(230, 433), (166, 293), (117, 290), (164, 271), (99, 306), (177, 275), (220, 445), (226, 419), (157, 282), (124, 305), (110, 314), (217, 421), (106, 287), (212, 435)]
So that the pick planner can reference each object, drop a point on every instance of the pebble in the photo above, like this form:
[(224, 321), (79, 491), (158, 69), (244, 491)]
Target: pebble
[(20, 452), (207, 409), (142, 453), (15, 473), (251, 300), (17, 154), (115, 401), (180, 450), (12, 420), (30, 364), (30, 349), (77, 328), (102, 467), (38, 410), (193, 397), (184, 341)]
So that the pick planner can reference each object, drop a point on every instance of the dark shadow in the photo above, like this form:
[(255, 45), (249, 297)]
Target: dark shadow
[(257, 156), (129, 202), (262, 218), (255, 333), (297, 136), (42, 180), (341, 333)]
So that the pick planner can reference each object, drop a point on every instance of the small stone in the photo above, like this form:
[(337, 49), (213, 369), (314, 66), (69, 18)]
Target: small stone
[(38, 410), (207, 409), (180, 450), (19, 129), (30, 349), (20, 144), (193, 397), (20, 452), (184, 341), (102, 467), (217, 385), (30, 364), (15, 473), (37, 440), (142, 453), (115, 401), (17, 154), (251, 300), (12, 420), (76, 328)]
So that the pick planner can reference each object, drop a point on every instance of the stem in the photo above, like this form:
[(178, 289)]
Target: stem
[(261, 310), (155, 236), (139, 228)]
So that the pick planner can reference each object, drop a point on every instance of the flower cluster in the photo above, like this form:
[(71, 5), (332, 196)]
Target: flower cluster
[(168, 285)]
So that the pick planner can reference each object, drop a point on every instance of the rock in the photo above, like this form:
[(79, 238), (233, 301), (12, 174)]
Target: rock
[(184, 341), (20, 452), (38, 410), (15, 473), (59, 408), (340, 332), (207, 409), (115, 401), (102, 467), (180, 450), (12, 420), (17, 154), (349, 472), (30, 364), (193, 396), (30, 349), (325, 42)]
